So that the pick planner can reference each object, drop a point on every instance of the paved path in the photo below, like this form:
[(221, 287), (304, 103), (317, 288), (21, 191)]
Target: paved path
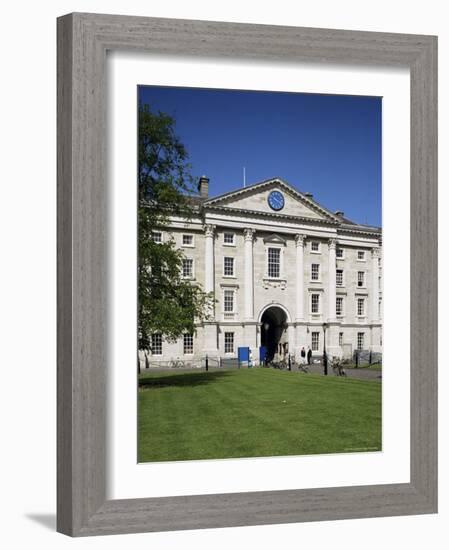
[(361, 373)]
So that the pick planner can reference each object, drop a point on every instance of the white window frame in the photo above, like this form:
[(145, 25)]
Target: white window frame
[(192, 244), (233, 342), (318, 279), (153, 354), (184, 336), (363, 301), (342, 310), (364, 255), (342, 278), (312, 347), (311, 247), (338, 249), (358, 347), (363, 285), (231, 290), (233, 276), (188, 277), (319, 303), (281, 261), (153, 233), (233, 238)]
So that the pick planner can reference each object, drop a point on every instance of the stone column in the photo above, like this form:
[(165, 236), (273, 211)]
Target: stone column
[(332, 291), (300, 277), (210, 327), (209, 259), (375, 285), (249, 274)]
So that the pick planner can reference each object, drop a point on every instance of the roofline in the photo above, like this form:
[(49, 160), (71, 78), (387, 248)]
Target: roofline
[(354, 228)]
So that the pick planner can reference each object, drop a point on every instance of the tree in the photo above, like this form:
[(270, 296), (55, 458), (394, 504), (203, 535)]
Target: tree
[(168, 304)]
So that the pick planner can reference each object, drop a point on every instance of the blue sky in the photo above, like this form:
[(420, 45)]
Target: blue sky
[(328, 145)]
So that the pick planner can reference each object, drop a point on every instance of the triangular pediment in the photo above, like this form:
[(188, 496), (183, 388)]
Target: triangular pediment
[(256, 198), (275, 239)]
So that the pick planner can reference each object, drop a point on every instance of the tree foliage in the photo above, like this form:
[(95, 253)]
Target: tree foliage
[(168, 304)]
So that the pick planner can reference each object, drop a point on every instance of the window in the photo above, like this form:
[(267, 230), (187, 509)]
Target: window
[(157, 236), (228, 267), (187, 268), (156, 344), (340, 339), (274, 263), (228, 301), (229, 342), (315, 341), (187, 240), (339, 277), (360, 278), (315, 246), (361, 255), (340, 253), (339, 306), (188, 344), (315, 272), (360, 307), (228, 238), (315, 303), (360, 340)]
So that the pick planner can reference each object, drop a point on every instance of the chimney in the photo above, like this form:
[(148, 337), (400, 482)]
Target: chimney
[(203, 187)]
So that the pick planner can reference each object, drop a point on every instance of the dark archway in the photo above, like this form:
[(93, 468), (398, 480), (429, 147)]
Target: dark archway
[(274, 331)]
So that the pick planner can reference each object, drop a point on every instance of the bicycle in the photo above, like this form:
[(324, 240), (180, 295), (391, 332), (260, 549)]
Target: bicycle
[(176, 364), (301, 366)]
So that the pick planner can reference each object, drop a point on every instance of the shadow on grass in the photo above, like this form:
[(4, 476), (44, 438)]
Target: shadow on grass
[(185, 379)]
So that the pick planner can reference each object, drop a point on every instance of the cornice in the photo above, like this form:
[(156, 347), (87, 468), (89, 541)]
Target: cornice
[(272, 215), (353, 229)]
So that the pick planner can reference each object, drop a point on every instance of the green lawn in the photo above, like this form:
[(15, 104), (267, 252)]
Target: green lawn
[(255, 412)]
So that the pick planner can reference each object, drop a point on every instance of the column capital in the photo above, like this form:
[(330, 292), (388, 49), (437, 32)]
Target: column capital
[(300, 239), (209, 230), (249, 233), (332, 244)]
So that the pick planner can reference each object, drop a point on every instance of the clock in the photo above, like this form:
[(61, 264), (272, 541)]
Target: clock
[(276, 200)]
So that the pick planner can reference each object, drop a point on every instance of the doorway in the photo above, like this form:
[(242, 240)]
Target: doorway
[(274, 334)]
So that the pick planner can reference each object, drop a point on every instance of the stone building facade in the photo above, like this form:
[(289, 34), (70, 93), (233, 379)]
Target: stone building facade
[(286, 273)]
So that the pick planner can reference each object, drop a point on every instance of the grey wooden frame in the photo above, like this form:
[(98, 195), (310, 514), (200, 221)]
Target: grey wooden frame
[(83, 40)]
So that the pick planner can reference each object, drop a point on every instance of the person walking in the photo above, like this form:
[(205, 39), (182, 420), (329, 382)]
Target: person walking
[(309, 356), (303, 355)]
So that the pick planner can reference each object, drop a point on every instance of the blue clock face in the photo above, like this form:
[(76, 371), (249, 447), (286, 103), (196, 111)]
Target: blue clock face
[(276, 200)]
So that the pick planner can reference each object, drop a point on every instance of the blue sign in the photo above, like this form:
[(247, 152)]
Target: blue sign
[(243, 354), (262, 353)]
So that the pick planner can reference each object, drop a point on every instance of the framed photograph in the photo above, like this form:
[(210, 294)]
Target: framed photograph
[(247, 274)]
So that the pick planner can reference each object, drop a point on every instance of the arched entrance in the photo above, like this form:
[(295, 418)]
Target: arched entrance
[(274, 333)]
